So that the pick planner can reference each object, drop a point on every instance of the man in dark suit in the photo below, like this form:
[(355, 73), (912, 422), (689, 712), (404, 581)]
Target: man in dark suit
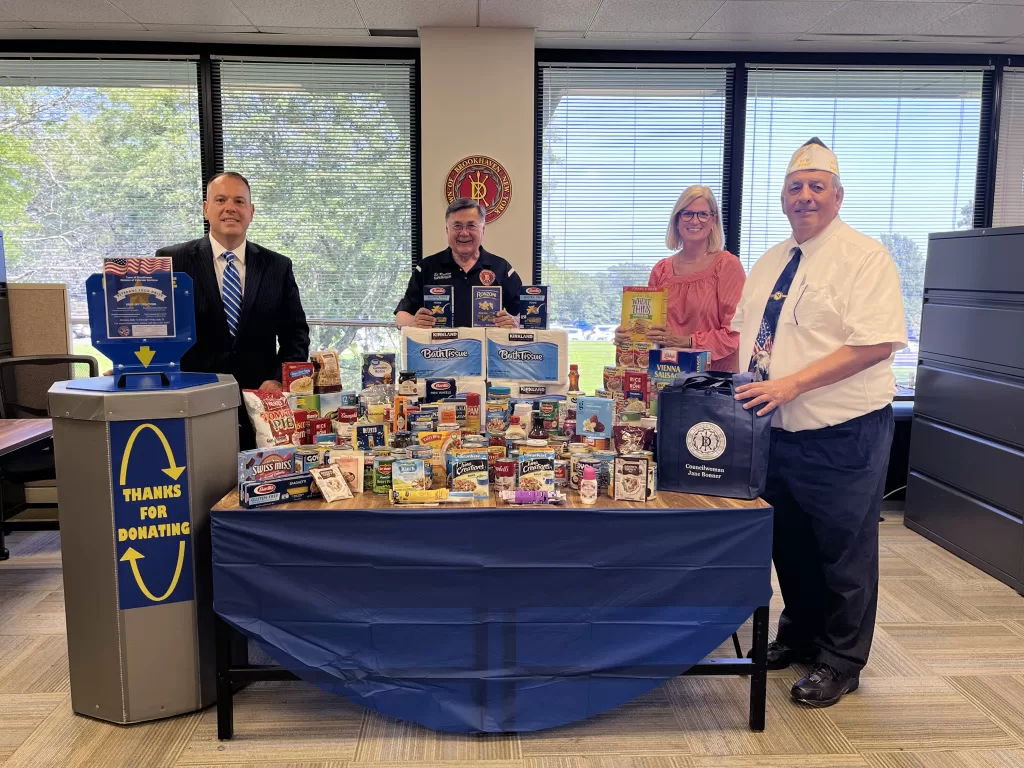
[(249, 318)]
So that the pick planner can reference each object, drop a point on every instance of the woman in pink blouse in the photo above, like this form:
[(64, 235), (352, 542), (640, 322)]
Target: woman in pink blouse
[(702, 280)]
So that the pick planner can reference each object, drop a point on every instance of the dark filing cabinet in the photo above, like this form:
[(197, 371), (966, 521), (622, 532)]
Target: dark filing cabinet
[(965, 489)]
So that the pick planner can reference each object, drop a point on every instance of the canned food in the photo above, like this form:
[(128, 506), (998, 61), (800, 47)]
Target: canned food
[(576, 466), (474, 441), (382, 466), (561, 473), (400, 453), (569, 428), (578, 449), (549, 413), (348, 414), (401, 440), (367, 471), (597, 443), (652, 480), (607, 467), (505, 474)]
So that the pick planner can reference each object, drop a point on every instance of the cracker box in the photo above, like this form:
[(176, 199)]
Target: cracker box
[(280, 490), (470, 472), (533, 307), (642, 309), (350, 464), (378, 368), (537, 471), (486, 305), (297, 378), (594, 417), (439, 301), (265, 464)]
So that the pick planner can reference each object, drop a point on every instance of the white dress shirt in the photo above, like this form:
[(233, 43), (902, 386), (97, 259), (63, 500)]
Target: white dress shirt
[(220, 263), (846, 291)]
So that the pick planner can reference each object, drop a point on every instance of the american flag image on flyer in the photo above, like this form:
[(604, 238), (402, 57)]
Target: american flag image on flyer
[(139, 297)]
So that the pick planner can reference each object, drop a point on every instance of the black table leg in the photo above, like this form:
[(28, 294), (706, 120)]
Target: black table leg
[(759, 678), (225, 690)]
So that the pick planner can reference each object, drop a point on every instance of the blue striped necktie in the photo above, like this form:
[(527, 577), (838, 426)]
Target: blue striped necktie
[(231, 292)]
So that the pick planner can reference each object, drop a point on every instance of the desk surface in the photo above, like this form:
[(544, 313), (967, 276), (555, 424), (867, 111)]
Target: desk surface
[(665, 500), (17, 433)]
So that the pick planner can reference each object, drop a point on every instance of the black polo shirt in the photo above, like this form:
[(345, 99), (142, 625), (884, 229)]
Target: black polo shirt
[(442, 269)]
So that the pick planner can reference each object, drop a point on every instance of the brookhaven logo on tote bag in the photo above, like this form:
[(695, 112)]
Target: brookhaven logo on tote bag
[(707, 443)]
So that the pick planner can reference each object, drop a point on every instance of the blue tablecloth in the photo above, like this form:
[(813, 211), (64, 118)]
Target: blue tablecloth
[(506, 619)]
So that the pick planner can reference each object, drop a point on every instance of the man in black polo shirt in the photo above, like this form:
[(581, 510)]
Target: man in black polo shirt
[(463, 264)]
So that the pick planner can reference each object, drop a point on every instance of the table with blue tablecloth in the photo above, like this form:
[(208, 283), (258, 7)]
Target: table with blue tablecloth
[(490, 617)]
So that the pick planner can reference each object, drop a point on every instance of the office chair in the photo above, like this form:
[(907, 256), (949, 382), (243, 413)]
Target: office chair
[(24, 384)]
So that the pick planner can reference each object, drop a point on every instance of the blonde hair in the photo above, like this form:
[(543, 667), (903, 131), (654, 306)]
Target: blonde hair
[(716, 241)]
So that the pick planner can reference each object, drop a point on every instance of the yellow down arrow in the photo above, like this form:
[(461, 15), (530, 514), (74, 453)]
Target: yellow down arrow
[(173, 470), (134, 556), (145, 355)]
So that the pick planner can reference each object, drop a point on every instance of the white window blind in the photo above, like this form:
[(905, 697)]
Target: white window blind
[(326, 148), (907, 143), (97, 158), (1009, 198), (619, 146)]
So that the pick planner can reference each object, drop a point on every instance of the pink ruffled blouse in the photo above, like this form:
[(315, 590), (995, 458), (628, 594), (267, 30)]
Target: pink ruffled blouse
[(702, 305)]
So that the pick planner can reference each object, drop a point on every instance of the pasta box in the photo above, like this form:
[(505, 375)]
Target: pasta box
[(533, 307), (439, 301), (280, 490), (486, 305)]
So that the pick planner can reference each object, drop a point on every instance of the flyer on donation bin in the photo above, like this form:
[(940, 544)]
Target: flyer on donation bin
[(139, 297)]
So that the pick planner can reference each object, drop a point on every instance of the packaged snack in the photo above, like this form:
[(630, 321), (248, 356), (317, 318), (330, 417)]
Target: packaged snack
[(629, 479), (370, 436), (624, 357), (350, 464), (613, 380), (486, 305), (469, 472), (594, 417), (439, 300), (532, 497), (441, 442), (642, 309), (308, 403), (378, 369), (440, 389), (272, 419), (331, 484), (265, 464), (428, 497), (533, 307), (328, 371), (408, 475), (278, 491), (537, 471), (630, 438), (297, 378), (642, 354)]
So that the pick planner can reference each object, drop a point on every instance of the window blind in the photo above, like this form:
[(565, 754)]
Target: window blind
[(1009, 197), (326, 147), (619, 146), (907, 143), (98, 157)]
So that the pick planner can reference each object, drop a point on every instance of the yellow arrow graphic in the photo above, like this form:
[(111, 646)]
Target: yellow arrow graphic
[(133, 557), (173, 470), (145, 355)]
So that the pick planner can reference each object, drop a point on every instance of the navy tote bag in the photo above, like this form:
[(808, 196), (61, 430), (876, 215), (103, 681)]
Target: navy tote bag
[(707, 443)]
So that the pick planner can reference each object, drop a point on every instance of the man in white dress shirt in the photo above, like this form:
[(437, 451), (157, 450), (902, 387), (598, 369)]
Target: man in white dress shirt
[(820, 319)]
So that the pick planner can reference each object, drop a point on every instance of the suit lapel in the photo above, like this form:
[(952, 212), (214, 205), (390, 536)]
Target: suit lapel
[(206, 277), (254, 269)]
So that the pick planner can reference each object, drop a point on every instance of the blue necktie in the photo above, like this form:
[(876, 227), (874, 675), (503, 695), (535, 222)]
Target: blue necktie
[(761, 357), (231, 292)]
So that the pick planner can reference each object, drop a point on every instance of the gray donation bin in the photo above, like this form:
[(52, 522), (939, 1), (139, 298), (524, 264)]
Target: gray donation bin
[(137, 474)]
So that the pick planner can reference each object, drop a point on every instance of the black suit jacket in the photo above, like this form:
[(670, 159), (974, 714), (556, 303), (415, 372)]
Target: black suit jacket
[(272, 328)]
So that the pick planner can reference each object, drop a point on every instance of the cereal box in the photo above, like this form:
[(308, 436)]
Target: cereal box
[(486, 305), (350, 464), (439, 301), (537, 471), (378, 369), (533, 307), (265, 464), (642, 308), (594, 417), (408, 475), (469, 472), (297, 377)]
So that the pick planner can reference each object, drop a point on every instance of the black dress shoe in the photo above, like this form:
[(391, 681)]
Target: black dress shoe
[(824, 686), (781, 656)]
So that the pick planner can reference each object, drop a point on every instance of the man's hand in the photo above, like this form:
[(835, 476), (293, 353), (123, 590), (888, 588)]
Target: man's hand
[(504, 320), (270, 386), (771, 393), (660, 334), (424, 318)]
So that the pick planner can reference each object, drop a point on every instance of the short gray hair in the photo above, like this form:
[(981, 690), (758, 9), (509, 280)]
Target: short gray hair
[(463, 204)]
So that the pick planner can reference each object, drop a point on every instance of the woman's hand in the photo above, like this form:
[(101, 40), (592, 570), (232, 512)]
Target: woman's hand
[(659, 334), (621, 336)]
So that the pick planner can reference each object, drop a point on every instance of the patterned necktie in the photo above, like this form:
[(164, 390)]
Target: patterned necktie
[(231, 292), (762, 355)]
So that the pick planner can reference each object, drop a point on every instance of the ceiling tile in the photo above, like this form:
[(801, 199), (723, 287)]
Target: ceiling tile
[(956, 39), (7, 24), (63, 10), (542, 14), (412, 14), (201, 28), (884, 17), (1000, 2), (779, 16), (113, 26), (743, 36), (317, 31), (983, 20), (558, 34), (653, 15), (332, 14), (182, 12), (602, 35)]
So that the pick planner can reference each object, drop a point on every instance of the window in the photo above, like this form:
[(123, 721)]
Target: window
[(907, 142), (619, 146), (327, 149), (1009, 199), (97, 158)]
